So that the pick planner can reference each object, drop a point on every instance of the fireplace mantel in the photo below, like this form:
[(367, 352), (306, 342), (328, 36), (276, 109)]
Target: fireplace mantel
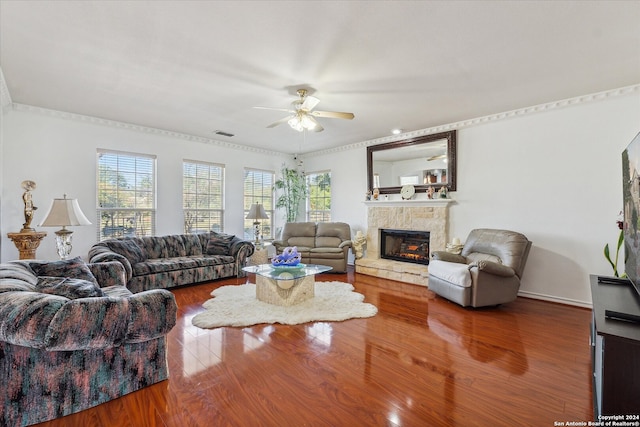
[(414, 203)]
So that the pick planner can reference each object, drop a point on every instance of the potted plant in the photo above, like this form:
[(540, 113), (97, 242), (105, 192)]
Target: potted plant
[(294, 190)]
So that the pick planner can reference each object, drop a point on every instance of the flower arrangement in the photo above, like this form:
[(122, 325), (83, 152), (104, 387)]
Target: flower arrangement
[(607, 255), (290, 257)]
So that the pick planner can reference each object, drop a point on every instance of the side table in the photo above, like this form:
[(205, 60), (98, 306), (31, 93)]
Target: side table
[(260, 255), (27, 242)]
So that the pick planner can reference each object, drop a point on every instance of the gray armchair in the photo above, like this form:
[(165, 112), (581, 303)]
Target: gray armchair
[(487, 272)]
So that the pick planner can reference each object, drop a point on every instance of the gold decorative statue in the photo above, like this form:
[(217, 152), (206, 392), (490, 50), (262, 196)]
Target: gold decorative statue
[(29, 208)]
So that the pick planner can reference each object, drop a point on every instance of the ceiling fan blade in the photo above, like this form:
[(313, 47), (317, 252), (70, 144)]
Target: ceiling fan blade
[(332, 114), (288, 110), (279, 122), (439, 156), (309, 103)]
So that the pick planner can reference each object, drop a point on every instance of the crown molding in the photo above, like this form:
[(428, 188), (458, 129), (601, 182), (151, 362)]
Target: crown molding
[(484, 119), (5, 97), (4, 92), (143, 129)]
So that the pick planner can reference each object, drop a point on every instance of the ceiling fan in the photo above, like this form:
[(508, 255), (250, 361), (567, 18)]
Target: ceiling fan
[(302, 115)]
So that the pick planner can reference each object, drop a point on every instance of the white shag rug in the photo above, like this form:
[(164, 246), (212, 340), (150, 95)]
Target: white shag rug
[(236, 305)]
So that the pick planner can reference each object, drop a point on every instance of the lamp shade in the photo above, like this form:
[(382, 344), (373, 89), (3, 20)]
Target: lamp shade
[(257, 212), (64, 212)]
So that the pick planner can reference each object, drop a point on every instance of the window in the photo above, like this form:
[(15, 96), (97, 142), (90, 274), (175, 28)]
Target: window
[(258, 188), (126, 194), (319, 198), (202, 196)]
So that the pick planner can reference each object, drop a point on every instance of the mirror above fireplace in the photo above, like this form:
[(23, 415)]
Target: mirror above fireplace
[(425, 161)]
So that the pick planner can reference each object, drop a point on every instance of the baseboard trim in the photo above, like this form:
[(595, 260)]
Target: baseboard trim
[(559, 300)]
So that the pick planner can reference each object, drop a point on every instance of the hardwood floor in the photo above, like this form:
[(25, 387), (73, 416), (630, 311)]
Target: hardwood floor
[(420, 361)]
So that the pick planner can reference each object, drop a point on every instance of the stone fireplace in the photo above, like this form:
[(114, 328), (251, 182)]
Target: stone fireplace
[(430, 215)]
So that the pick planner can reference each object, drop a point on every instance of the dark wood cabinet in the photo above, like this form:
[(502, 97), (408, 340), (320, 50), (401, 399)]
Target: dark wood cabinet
[(615, 347)]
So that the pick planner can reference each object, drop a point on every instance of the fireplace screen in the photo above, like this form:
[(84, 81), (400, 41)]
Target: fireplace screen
[(405, 245)]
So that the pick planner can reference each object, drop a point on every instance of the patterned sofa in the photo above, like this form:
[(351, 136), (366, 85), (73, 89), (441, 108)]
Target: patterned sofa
[(175, 260), (72, 336)]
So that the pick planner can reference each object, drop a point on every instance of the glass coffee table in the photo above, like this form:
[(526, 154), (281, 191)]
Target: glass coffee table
[(285, 286)]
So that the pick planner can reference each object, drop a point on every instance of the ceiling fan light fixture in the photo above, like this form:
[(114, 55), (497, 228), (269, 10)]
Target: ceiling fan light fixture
[(303, 116), (307, 123), (301, 122), (295, 124)]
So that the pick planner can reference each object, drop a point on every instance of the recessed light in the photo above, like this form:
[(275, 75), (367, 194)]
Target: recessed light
[(396, 131)]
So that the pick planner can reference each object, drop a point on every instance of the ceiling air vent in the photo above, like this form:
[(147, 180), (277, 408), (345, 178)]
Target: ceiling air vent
[(223, 133)]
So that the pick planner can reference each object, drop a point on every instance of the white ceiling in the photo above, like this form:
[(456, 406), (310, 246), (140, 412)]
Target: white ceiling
[(198, 66)]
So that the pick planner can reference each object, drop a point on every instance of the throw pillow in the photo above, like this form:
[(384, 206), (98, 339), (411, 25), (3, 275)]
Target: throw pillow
[(74, 267), (68, 287), (219, 244)]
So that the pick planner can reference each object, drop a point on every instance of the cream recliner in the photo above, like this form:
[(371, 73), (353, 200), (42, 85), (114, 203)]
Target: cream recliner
[(487, 272)]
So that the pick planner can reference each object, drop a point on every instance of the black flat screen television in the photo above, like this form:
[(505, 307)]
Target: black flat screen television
[(631, 199)]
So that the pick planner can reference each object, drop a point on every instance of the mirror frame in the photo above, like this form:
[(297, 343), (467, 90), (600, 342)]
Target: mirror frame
[(450, 136)]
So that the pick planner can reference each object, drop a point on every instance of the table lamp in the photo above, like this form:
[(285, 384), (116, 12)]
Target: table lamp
[(257, 212), (62, 213)]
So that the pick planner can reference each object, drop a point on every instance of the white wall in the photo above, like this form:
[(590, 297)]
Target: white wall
[(59, 154), (5, 102), (348, 185), (553, 175)]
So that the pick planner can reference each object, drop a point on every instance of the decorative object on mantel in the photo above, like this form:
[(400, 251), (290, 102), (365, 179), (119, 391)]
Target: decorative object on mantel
[(27, 242), (442, 193), (29, 208), (62, 213), (430, 192), (408, 191), (359, 242), (376, 186), (455, 247)]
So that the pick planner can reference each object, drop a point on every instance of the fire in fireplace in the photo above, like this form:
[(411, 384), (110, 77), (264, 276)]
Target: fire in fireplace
[(405, 245)]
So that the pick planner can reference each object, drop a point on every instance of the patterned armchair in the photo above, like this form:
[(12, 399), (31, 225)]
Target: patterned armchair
[(72, 336)]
